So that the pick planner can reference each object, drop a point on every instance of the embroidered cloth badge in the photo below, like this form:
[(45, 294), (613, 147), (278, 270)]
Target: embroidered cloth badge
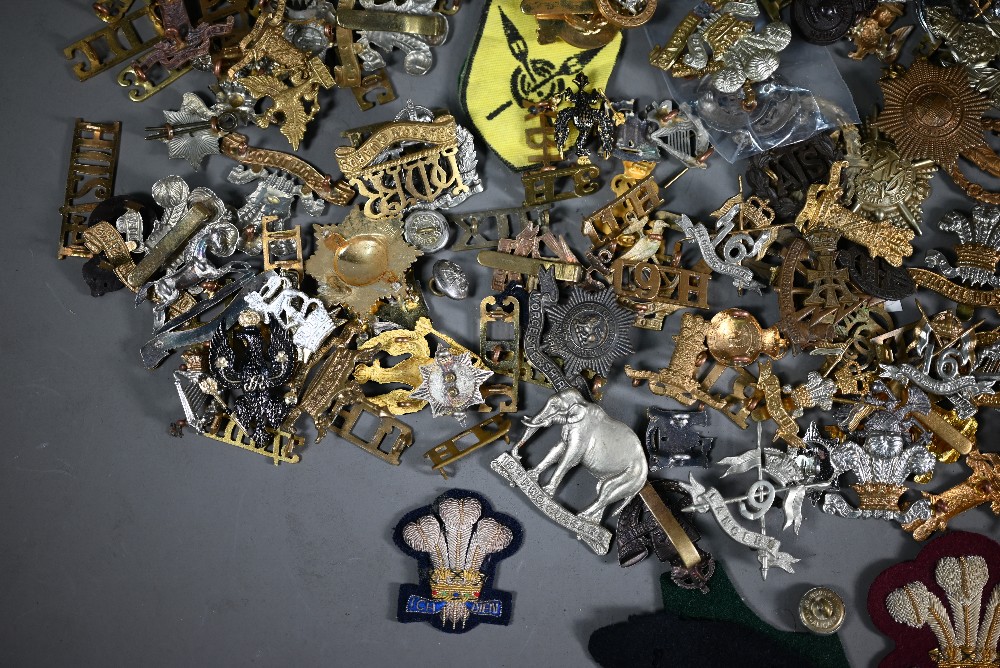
[(508, 70), (943, 608), (457, 542)]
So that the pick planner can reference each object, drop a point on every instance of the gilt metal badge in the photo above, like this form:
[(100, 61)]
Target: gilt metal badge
[(360, 261), (888, 186), (932, 113)]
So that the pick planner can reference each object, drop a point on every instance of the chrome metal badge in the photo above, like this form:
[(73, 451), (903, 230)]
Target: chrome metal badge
[(950, 369), (608, 449), (885, 460), (418, 58), (978, 250), (671, 439), (300, 315), (449, 280), (451, 383), (426, 230), (457, 542), (796, 474)]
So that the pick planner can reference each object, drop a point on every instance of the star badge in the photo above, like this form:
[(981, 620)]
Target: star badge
[(451, 383)]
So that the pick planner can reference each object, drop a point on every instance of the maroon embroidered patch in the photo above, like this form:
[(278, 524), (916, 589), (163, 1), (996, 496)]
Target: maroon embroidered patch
[(942, 608)]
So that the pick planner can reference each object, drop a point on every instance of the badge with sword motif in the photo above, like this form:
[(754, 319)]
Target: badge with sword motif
[(509, 71)]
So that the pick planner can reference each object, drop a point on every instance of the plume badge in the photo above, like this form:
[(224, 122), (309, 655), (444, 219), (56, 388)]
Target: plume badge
[(943, 608), (457, 542)]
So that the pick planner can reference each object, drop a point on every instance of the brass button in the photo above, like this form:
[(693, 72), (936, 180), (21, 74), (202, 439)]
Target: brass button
[(822, 610)]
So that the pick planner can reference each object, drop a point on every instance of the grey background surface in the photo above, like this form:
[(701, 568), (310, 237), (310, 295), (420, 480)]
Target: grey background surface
[(124, 546)]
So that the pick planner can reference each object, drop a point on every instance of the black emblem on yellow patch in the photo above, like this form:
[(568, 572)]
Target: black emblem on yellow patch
[(509, 72), (535, 79)]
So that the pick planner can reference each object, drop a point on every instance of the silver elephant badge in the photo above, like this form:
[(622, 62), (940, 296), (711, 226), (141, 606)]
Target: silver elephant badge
[(607, 448)]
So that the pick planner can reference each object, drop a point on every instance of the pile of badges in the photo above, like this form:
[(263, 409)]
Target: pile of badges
[(268, 340)]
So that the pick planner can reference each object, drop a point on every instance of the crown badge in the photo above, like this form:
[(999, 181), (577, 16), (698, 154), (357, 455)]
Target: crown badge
[(457, 542), (943, 608), (885, 459), (974, 280), (978, 250)]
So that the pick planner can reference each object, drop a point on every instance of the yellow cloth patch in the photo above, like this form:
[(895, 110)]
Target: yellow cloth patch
[(508, 70)]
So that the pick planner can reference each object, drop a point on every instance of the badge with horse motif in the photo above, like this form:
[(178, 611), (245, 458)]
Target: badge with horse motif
[(457, 542)]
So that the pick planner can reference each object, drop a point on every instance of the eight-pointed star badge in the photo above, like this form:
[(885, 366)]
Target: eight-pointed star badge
[(360, 261), (932, 113), (451, 383), (589, 331)]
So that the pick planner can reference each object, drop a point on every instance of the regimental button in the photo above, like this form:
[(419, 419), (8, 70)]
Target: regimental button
[(822, 610)]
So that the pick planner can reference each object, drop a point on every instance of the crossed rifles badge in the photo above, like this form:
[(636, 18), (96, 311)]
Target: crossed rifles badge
[(457, 542), (509, 72)]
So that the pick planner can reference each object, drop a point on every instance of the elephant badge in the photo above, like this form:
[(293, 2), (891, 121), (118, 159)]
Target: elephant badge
[(607, 448)]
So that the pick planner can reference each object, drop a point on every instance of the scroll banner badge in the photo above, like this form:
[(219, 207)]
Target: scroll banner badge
[(425, 606), (508, 70), (756, 541)]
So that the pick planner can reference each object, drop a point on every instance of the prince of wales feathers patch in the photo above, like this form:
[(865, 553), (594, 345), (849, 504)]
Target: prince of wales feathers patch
[(457, 542)]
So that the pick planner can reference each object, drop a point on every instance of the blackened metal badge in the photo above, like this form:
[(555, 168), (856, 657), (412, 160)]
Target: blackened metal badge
[(457, 542), (510, 73)]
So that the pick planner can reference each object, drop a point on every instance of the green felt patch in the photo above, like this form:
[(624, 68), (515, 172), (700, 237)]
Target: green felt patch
[(722, 602)]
